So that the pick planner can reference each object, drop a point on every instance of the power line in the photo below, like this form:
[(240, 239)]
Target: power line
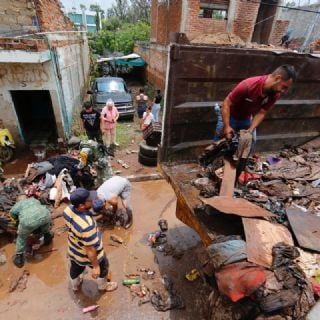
[(280, 6)]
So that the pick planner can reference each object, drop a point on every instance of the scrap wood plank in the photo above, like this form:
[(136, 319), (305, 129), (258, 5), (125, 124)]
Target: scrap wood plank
[(306, 228), (229, 178), (237, 206), (261, 236)]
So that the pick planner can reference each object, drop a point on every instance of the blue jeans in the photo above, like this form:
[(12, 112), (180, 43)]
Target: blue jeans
[(236, 125), (155, 111)]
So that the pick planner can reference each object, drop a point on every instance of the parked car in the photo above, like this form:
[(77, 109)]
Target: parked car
[(105, 88)]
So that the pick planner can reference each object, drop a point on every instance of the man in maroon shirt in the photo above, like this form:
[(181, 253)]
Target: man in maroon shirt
[(248, 103)]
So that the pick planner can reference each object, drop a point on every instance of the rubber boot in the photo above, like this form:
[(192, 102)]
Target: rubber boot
[(104, 285), (129, 221), (47, 238), (18, 260), (75, 284)]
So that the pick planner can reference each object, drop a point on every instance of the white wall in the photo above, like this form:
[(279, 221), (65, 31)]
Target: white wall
[(65, 76), (24, 76)]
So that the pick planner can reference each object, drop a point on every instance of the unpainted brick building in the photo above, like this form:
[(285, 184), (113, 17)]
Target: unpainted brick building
[(44, 67), (253, 21)]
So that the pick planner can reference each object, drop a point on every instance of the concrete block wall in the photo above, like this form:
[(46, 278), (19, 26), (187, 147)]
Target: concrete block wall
[(51, 16), (16, 16)]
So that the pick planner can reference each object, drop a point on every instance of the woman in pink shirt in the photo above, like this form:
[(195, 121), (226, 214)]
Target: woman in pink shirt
[(109, 117)]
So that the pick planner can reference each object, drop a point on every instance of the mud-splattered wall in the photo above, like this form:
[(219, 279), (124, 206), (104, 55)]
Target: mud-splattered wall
[(23, 74), (26, 76)]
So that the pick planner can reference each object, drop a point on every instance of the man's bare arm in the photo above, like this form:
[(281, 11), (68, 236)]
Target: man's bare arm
[(257, 119), (92, 255), (225, 113)]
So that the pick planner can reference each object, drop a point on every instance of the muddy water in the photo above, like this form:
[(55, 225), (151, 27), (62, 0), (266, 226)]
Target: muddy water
[(48, 295)]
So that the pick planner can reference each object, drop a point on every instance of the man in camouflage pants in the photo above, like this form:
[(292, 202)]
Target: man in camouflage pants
[(30, 216)]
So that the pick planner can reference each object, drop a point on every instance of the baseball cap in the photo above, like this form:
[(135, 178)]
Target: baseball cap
[(97, 205), (81, 195)]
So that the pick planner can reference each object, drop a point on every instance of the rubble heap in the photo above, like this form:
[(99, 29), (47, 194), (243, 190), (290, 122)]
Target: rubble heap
[(264, 271)]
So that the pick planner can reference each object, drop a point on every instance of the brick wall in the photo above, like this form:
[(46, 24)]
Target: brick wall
[(154, 19), (279, 29), (197, 25), (23, 44), (164, 19), (155, 56), (51, 17), (16, 17), (245, 18)]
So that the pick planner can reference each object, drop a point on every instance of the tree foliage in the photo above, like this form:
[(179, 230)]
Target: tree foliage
[(119, 9), (119, 39), (140, 10), (123, 26)]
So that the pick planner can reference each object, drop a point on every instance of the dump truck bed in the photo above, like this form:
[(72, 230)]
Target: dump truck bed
[(200, 76), (190, 209)]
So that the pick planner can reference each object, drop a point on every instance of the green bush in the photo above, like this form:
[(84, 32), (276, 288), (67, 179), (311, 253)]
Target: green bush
[(121, 39)]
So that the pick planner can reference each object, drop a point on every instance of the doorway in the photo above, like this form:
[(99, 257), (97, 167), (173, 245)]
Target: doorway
[(263, 26), (35, 114)]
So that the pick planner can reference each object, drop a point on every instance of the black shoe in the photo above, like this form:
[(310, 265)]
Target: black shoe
[(47, 238), (19, 260)]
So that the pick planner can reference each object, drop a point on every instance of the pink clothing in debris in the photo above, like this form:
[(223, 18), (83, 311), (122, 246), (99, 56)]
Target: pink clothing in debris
[(109, 118)]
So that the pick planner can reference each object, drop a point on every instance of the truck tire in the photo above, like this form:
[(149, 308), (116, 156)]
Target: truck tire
[(148, 151), (152, 141), (147, 161)]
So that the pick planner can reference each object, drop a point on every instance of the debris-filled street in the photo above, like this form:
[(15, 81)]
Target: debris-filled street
[(159, 160), (266, 249), (45, 275)]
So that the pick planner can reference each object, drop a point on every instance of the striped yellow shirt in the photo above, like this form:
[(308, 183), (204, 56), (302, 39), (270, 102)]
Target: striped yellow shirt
[(82, 232)]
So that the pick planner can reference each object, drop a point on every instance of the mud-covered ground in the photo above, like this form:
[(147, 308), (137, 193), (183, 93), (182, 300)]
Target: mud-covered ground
[(48, 295)]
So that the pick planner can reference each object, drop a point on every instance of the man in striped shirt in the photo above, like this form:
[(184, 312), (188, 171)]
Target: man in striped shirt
[(85, 247)]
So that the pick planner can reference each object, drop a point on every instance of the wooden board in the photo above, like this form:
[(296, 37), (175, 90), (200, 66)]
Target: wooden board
[(261, 236), (306, 228), (229, 178), (237, 206)]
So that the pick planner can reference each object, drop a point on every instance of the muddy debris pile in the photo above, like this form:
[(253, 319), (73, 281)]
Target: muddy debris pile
[(51, 181), (272, 267)]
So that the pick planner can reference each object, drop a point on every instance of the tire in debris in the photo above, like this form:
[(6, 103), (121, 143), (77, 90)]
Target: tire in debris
[(148, 151), (147, 161), (6, 154), (152, 141)]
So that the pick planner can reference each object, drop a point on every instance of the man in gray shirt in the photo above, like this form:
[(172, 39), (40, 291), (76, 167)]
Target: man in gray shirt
[(110, 191)]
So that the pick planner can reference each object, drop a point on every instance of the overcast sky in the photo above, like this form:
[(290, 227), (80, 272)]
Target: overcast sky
[(104, 4)]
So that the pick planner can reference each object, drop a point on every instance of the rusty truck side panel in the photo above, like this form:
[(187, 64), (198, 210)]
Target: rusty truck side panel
[(199, 76)]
